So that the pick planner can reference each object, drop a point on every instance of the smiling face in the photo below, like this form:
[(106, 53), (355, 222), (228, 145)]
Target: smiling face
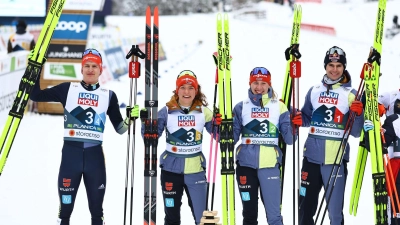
[(334, 70), (91, 72), (186, 94), (259, 87)]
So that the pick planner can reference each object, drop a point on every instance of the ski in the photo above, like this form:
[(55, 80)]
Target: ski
[(226, 129), (151, 130), (362, 156), (31, 74), (371, 74), (287, 84)]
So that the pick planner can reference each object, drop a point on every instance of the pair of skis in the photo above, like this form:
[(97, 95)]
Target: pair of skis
[(371, 74), (290, 96), (31, 74), (223, 132), (150, 123)]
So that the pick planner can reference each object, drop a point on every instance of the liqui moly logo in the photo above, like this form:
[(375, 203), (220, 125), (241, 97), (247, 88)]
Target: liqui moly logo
[(259, 112), (328, 98), (186, 121), (88, 99)]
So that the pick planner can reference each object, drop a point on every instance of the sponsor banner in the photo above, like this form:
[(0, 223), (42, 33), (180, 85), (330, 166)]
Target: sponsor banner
[(93, 5), (93, 135), (117, 63), (65, 51), (319, 28), (62, 71), (72, 27)]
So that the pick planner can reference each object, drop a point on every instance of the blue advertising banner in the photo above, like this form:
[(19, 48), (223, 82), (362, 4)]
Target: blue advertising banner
[(72, 27)]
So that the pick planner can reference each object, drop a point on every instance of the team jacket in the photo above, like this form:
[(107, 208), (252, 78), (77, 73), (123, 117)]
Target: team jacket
[(75, 99), (326, 115), (258, 128), (184, 134)]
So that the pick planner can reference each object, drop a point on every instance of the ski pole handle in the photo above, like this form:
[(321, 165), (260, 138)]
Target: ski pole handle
[(134, 68), (295, 69)]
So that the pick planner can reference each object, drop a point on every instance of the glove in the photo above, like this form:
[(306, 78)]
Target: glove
[(292, 50), (297, 120), (368, 125), (357, 107), (374, 56), (218, 119), (382, 110), (144, 114), (132, 112)]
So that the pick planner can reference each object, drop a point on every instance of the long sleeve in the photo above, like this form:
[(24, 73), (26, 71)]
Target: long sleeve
[(358, 120), (285, 127), (390, 133), (57, 93), (114, 114), (237, 121), (307, 110)]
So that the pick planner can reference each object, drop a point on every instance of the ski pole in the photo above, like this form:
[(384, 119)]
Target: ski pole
[(342, 146), (295, 74), (216, 134), (134, 73), (389, 177)]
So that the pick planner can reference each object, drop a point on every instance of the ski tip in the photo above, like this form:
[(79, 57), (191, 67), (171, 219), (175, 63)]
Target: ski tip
[(148, 16), (156, 16)]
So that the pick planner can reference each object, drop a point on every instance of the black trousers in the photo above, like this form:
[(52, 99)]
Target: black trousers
[(78, 162)]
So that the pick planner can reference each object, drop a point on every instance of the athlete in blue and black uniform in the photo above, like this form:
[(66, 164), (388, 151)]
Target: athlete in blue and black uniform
[(86, 105), (326, 110)]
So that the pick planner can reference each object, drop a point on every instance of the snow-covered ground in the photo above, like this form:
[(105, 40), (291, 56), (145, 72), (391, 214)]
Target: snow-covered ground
[(28, 185)]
